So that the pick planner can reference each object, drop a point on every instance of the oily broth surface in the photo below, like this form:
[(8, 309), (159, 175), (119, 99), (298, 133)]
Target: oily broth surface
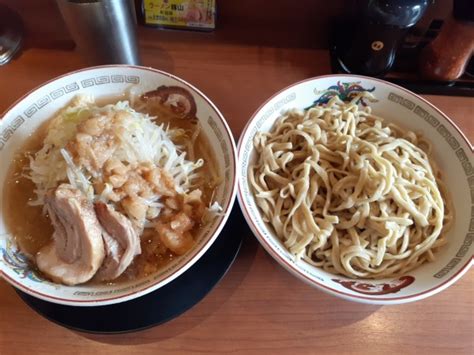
[(32, 229), (29, 226)]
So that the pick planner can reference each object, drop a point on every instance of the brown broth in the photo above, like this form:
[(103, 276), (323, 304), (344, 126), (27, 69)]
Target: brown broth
[(32, 229)]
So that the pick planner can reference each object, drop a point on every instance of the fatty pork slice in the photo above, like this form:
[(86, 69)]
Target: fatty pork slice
[(77, 249), (122, 242), (175, 233)]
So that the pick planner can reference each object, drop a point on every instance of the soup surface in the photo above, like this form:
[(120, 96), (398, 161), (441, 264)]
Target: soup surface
[(31, 225)]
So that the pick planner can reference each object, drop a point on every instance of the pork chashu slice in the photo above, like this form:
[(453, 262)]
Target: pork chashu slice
[(77, 249), (122, 242)]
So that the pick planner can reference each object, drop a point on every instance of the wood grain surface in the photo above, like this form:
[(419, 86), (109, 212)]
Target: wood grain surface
[(258, 308)]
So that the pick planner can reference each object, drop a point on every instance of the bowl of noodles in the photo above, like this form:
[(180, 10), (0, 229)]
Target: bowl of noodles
[(360, 188), (114, 181)]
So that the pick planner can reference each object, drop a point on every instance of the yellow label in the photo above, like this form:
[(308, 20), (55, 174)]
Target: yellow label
[(180, 13)]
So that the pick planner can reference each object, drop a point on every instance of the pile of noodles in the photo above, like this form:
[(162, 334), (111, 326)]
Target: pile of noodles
[(349, 193)]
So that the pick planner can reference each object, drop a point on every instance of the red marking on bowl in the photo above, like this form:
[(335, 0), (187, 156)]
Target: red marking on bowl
[(372, 288)]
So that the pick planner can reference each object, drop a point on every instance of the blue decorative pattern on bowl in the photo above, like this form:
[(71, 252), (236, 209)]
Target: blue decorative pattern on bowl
[(345, 91), (19, 262)]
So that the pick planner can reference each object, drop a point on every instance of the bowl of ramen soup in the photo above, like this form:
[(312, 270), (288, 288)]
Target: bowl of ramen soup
[(360, 188), (114, 181)]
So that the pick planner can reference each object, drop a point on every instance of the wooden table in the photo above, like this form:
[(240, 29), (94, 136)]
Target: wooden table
[(258, 307)]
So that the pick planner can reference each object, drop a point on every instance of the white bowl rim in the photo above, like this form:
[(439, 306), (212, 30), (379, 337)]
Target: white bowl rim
[(293, 269), (196, 253)]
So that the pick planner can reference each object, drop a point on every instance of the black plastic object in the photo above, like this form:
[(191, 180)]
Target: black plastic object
[(367, 42), (463, 10), (161, 305)]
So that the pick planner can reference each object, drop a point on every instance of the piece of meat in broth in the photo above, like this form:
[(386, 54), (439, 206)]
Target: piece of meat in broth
[(93, 144), (175, 233), (122, 242), (176, 98), (77, 249)]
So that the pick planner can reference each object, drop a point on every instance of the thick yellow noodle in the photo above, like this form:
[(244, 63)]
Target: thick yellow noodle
[(348, 193)]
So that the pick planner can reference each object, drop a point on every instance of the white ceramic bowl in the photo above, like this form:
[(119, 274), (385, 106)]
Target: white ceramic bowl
[(28, 113), (452, 151)]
